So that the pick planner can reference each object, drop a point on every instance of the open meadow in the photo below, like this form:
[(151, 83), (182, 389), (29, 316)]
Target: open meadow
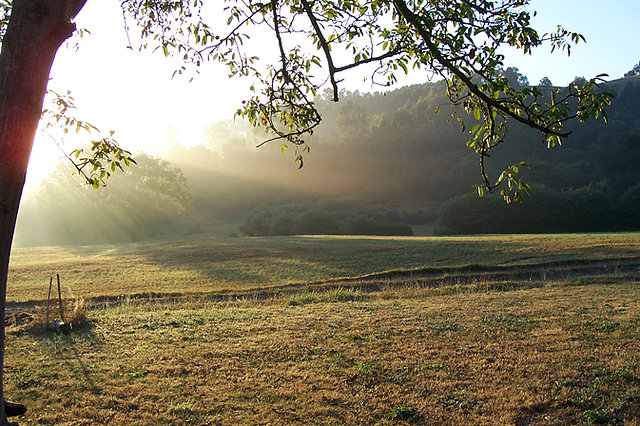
[(529, 329)]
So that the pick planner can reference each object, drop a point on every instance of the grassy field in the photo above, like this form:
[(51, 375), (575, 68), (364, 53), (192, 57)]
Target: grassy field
[(472, 330), (246, 264)]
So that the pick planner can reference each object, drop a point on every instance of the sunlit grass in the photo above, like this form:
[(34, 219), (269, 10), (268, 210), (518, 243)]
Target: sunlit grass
[(242, 264)]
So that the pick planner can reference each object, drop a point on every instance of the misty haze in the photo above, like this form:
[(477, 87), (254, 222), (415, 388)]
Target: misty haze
[(380, 164)]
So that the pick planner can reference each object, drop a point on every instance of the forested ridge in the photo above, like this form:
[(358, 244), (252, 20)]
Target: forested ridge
[(382, 164)]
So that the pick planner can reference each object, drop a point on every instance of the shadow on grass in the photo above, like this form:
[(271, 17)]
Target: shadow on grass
[(68, 343), (77, 363)]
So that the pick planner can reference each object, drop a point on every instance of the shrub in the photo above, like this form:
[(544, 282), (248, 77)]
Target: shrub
[(585, 209), (320, 218)]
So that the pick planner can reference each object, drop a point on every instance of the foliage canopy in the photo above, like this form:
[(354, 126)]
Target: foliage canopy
[(314, 42)]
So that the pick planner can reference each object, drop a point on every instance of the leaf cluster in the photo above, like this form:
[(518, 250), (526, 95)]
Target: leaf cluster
[(96, 163)]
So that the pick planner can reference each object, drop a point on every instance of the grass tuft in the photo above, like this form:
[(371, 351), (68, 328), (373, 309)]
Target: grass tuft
[(599, 417), (75, 315), (402, 412), (184, 408)]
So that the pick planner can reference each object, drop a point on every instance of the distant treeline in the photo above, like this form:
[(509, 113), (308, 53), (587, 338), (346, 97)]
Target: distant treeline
[(590, 208), (392, 150), (136, 205), (591, 183), (326, 217), (385, 152)]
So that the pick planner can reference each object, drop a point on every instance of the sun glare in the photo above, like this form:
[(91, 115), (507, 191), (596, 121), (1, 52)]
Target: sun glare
[(45, 156), (134, 94)]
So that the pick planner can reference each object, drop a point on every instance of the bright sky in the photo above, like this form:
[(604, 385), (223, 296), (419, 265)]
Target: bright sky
[(612, 31), (116, 88)]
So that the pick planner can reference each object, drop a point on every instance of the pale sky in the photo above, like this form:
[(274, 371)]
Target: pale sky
[(612, 31), (133, 94)]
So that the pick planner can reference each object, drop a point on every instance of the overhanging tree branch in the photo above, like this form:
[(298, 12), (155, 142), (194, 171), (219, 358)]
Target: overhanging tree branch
[(356, 64), (414, 20), (276, 28), (325, 47)]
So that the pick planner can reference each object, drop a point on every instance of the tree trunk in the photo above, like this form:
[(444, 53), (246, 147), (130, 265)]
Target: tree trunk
[(36, 30)]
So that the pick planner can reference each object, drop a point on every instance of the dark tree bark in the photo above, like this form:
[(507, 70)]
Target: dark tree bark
[(36, 30)]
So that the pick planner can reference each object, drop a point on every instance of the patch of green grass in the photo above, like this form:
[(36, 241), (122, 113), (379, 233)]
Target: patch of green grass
[(511, 322), (353, 337), (365, 368), (598, 417), (604, 394), (607, 325), (330, 296), (455, 400), (436, 366), (402, 412), (136, 374), (183, 408)]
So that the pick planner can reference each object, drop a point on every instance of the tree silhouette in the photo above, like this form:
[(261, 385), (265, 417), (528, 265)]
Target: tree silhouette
[(545, 82), (633, 71)]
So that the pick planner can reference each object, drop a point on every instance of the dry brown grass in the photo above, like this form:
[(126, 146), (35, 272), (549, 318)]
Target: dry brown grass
[(39, 321), (554, 354), (547, 331)]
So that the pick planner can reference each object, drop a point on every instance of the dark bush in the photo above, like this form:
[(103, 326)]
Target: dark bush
[(586, 209), (629, 208), (320, 218)]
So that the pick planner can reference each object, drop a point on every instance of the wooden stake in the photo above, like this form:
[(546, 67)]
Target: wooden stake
[(60, 298), (48, 300)]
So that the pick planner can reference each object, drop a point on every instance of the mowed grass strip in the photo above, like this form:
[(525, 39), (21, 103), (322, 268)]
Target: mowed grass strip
[(243, 264), (550, 355)]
